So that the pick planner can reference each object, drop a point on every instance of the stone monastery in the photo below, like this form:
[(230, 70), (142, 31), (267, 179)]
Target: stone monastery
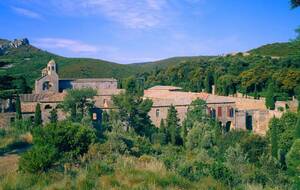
[(231, 112)]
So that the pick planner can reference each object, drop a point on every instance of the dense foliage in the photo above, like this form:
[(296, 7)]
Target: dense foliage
[(250, 75)]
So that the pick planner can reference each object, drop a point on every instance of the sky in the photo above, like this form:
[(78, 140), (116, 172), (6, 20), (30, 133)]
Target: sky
[(130, 31)]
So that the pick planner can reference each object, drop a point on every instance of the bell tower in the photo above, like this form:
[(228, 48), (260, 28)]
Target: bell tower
[(49, 82), (51, 67)]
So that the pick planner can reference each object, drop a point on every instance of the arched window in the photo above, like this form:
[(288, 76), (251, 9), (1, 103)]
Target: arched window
[(47, 85), (157, 112)]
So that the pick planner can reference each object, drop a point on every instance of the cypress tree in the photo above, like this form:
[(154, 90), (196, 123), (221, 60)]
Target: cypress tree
[(38, 115), (298, 128), (274, 137), (73, 113), (18, 109), (53, 116), (270, 98), (173, 134), (209, 82), (162, 127)]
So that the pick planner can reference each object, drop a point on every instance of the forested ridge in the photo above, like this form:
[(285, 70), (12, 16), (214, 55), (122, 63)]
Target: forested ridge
[(247, 74)]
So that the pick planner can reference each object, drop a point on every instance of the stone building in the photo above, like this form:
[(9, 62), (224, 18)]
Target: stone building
[(50, 91), (232, 112)]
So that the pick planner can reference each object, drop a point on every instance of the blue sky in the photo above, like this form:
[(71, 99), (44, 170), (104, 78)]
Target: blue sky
[(127, 31)]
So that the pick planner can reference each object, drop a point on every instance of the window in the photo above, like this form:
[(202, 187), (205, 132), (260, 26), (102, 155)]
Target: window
[(46, 85), (213, 113), (230, 112), (94, 116), (157, 112), (219, 111), (52, 68)]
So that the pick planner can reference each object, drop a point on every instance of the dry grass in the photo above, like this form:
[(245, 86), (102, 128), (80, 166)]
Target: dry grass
[(8, 164)]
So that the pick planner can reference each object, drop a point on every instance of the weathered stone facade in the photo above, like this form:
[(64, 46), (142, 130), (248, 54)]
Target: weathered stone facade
[(48, 83)]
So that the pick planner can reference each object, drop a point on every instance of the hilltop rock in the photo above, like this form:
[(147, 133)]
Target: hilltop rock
[(17, 43), (5, 44)]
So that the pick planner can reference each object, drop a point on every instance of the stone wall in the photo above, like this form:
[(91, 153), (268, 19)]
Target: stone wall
[(51, 79), (95, 84), (158, 113), (6, 119)]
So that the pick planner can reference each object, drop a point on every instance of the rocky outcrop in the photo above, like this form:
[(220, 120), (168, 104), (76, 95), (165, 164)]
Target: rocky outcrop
[(17, 43), (13, 44)]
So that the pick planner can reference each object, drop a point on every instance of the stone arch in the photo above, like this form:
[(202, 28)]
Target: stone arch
[(227, 126)]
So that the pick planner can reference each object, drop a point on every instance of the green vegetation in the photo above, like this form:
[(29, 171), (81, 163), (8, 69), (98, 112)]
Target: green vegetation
[(38, 115), (250, 75), (78, 103), (278, 49)]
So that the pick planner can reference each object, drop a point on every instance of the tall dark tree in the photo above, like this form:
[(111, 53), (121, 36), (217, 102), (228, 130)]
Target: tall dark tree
[(78, 102), (172, 122), (53, 116), (134, 86), (133, 112), (209, 81), (38, 115), (18, 109), (270, 97), (297, 134), (162, 126), (274, 127)]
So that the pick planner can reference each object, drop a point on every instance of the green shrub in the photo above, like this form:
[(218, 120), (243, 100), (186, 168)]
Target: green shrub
[(57, 142), (38, 159)]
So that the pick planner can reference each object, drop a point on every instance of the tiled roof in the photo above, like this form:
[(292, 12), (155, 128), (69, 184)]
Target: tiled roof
[(48, 97), (170, 88), (162, 97), (95, 80), (28, 107), (109, 92)]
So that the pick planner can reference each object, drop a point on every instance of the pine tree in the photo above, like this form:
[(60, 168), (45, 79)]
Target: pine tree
[(38, 115), (270, 98), (173, 134), (18, 109), (53, 116)]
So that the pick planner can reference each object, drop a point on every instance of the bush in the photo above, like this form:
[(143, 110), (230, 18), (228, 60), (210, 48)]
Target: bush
[(254, 146), (62, 142), (38, 159)]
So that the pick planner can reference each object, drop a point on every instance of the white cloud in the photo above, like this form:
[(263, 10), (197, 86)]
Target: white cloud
[(130, 13), (67, 44), (26, 12)]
